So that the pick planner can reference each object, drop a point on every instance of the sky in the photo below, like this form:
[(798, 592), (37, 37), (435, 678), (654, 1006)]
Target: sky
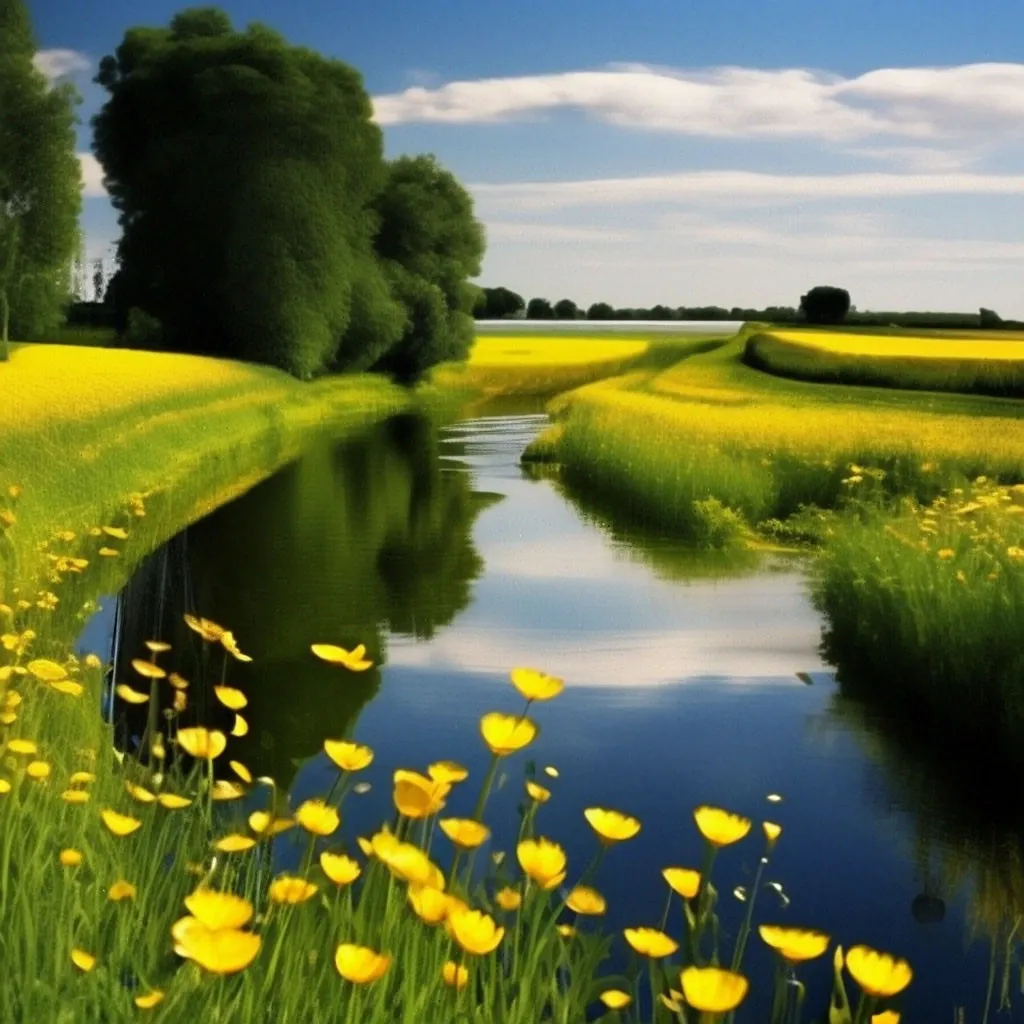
[(685, 152)]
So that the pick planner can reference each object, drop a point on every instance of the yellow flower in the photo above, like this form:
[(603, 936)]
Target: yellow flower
[(68, 686), (205, 628), (720, 828), (339, 869), (464, 833), (360, 965), (565, 930), (218, 910), (289, 889), (712, 989), (158, 646), (684, 881), (673, 1001), (172, 801), (26, 747), (46, 670), (121, 890), (508, 898), (584, 900), (417, 796), (616, 999), (115, 531), (231, 698), (225, 789), (349, 757), (82, 960), (537, 792), (230, 644), (551, 770), (879, 974), (771, 832), (411, 864), (611, 826), (887, 1017), (38, 770), (455, 975), (219, 951), (262, 823), (75, 796), (505, 734), (447, 771), (119, 824), (234, 843), (534, 685), (139, 793), (543, 861), (180, 701), (318, 817), (651, 942), (70, 858), (794, 944), (5, 786), (946, 554), (240, 770), (474, 931), (352, 660), (202, 743), (177, 681), (430, 904), (149, 999), (241, 726), (148, 669)]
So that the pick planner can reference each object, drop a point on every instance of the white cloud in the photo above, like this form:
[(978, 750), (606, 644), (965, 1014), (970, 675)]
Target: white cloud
[(58, 63), (92, 176), (923, 159), (734, 186), (926, 103)]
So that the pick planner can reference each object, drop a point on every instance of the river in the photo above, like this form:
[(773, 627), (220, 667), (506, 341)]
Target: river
[(454, 564)]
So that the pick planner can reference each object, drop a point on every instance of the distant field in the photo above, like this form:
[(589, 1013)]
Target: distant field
[(984, 363)]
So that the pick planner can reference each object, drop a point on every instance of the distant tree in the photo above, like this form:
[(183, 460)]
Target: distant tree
[(825, 304), (40, 186), (989, 319), (600, 311), (623, 314), (539, 309), (427, 232), (566, 309), (497, 303), (99, 279), (660, 312)]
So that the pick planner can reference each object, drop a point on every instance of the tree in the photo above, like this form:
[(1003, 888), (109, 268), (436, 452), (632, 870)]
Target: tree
[(825, 304), (989, 319), (99, 280), (600, 311), (497, 303), (40, 186), (660, 312), (431, 244), (259, 218), (539, 309), (566, 309)]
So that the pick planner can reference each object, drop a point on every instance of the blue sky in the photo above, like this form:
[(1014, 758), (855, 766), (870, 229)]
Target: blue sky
[(731, 152)]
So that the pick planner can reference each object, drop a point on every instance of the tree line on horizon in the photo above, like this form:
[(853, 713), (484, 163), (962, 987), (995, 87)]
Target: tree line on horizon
[(822, 304)]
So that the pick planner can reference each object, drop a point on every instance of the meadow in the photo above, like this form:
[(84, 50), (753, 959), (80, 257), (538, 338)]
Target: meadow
[(988, 364)]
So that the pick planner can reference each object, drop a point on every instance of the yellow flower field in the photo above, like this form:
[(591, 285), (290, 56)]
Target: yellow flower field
[(902, 345)]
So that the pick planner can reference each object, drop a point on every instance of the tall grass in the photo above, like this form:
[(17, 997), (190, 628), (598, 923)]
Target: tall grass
[(921, 363), (926, 606)]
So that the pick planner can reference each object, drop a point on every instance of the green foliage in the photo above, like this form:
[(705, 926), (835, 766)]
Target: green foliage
[(497, 303), (539, 309), (825, 304), (566, 309), (430, 243), (40, 186), (600, 311), (260, 220), (142, 331)]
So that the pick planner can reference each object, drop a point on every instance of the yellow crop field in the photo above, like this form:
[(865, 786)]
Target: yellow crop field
[(543, 350), (896, 346)]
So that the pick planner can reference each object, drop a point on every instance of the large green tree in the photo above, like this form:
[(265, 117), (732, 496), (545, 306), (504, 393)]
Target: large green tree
[(430, 243), (244, 169), (40, 185)]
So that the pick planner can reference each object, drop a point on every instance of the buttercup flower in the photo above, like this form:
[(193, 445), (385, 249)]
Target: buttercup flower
[(616, 999), (651, 942), (878, 974), (794, 944), (447, 771), (454, 974), (121, 890), (611, 826), (219, 951), (290, 889), (684, 881), (231, 698), (534, 685), (217, 910), (150, 999), (508, 898), (119, 824), (464, 833), (85, 962), (71, 858), (720, 828), (349, 757), (712, 989), (505, 734), (359, 964), (417, 796), (537, 792), (339, 869), (584, 900), (431, 905), (352, 660), (202, 743), (474, 931), (543, 861), (317, 817)]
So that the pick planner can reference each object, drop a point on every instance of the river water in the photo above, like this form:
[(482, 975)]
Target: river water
[(689, 679)]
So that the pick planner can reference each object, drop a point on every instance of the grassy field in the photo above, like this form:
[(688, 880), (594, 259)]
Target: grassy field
[(988, 363)]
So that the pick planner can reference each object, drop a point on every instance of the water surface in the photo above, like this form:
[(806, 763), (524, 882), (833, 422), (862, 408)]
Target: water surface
[(453, 565)]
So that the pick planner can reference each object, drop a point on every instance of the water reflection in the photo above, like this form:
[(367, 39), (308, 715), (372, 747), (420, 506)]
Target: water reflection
[(353, 542)]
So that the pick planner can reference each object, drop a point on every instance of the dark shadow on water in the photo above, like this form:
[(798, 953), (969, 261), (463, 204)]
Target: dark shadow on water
[(353, 541)]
